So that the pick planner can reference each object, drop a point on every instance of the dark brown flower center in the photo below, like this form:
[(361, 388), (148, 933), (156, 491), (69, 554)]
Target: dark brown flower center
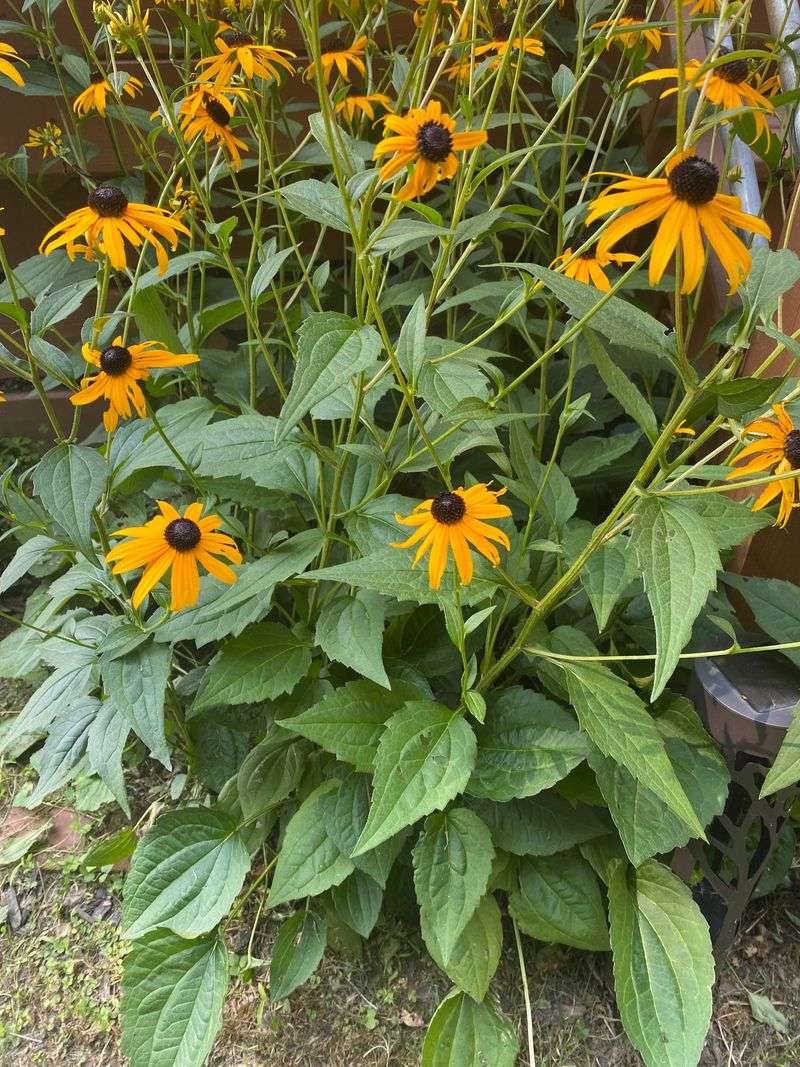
[(694, 180), (434, 141), (108, 201), (115, 360), (236, 39), (735, 71), (217, 112), (97, 78), (791, 448), (182, 535), (448, 508)]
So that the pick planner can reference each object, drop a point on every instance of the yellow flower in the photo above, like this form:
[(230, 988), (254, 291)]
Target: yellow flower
[(420, 12), (123, 27), (628, 32), (208, 111), (590, 267), (176, 541), (8, 56), (352, 105), (724, 85), (779, 447), (455, 521), (425, 139), (239, 52), (342, 59), (107, 222), (47, 137), (94, 97), (184, 201), (2, 231), (685, 201), (121, 369), (531, 45), (703, 7)]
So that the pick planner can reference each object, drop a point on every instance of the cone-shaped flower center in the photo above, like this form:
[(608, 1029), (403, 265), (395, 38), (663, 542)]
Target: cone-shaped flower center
[(182, 535), (695, 180), (791, 448), (236, 39), (108, 201), (434, 141), (217, 112), (448, 508), (115, 360), (735, 71), (97, 78)]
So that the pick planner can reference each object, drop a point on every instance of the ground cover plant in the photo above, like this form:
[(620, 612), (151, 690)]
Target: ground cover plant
[(400, 477)]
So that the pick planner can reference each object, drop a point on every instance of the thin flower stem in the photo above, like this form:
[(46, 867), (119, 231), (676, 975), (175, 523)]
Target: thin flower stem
[(525, 993)]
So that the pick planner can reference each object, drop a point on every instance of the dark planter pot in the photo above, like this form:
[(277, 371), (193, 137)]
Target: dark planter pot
[(746, 703)]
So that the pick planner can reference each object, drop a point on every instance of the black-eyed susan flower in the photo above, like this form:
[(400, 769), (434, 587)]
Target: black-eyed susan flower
[(238, 52), (454, 522), (184, 201), (107, 222), (8, 57), (702, 7), (125, 27), (342, 58), (502, 42), (47, 138), (120, 370), (180, 542), (725, 85), (590, 267), (422, 7), (352, 105), (208, 112), (778, 448), (426, 139), (95, 97), (689, 206), (628, 33)]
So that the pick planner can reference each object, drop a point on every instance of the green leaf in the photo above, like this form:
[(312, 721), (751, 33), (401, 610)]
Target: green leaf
[(452, 863), (785, 771), (172, 996), (729, 521), (27, 555), (331, 349), (69, 481), (151, 317), (411, 342), (619, 321), (54, 697), (663, 964), (110, 850), (475, 956), (619, 724), (136, 684), (108, 735), (309, 862), (14, 848), (260, 664), (589, 454), (465, 1034), (54, 306), (138, 446), (528, 743), (59, 759), (764, 1011), (350, 631), (678, 556), (296, 954), (219, 751), (738, 396), (605, 577), (349, 722), (269, 773), (185, 874), (773, 273), (425, 757), (620, 386), (559, 900), (177, 266), (345, 812), (225, 610), (271, 261), (540, 825), (357, 902), (776, 607), (319, 201)]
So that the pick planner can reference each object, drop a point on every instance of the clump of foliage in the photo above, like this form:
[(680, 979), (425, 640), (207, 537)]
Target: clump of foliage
[(376, 336)]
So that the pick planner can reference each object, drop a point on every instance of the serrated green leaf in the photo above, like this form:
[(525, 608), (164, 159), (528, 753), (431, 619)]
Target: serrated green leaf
[(59, 759), (108, 735), (345, 812), (425, 757), (475, 956), (136, 684), (27, 555), (785, 771), (357, 902), (269, 773), (663, 964), (309, 862), (172, 996), (331, 349), (185, 873), (559, 900), (589, 454), (296, 954), (465, 1034), (452, 863), (69, 481), (349, 722), (350, 631), (260, 664), (528, 743), (540, 825), (621, 387), (775, 604), (605, 577), (319, 201)]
